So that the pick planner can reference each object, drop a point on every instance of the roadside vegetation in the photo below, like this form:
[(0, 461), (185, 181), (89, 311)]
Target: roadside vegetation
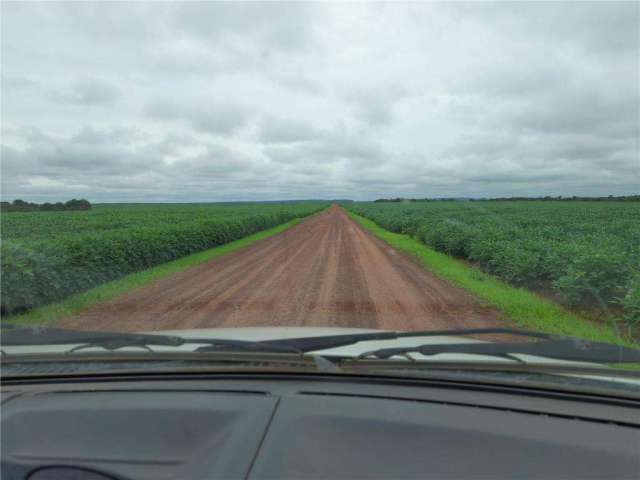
[(46, 257), (584, 254), (81, 301)]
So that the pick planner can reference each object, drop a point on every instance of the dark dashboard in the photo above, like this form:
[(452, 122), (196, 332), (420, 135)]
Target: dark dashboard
[(236, 427)]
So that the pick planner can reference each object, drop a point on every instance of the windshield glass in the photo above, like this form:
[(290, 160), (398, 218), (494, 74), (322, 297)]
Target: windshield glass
[(256, 175)]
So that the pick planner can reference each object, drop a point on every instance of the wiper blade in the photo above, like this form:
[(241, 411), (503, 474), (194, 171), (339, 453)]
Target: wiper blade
[(555, 346), (38, 335), (310, 344), (571, 349), (12, 335), (218, 344)]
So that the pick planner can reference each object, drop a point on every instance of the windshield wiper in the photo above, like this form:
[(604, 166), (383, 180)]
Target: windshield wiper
[(571, 349), (41, 335), (310, 344), (38, 335), (554, 346)]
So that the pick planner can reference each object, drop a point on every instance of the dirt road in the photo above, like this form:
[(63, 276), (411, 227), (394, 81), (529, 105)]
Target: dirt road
[(325, 271)]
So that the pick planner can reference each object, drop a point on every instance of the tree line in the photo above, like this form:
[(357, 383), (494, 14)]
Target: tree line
[(609, 198), (22, 206)]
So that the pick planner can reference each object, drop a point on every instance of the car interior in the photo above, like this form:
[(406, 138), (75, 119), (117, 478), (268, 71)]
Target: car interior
[(310, 426)]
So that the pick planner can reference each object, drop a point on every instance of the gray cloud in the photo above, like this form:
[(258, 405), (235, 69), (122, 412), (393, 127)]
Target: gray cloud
[(287, 26), (376, 106), (228, 101), (119, 135), (283, 130), (17, 82), (329, 148), (88, 92), (217, 162), (210, 117), (602, 27), (580, 114), (66, 160)]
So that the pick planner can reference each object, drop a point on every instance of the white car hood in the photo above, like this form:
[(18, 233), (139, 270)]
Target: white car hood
[(276, 333), (258, 334)]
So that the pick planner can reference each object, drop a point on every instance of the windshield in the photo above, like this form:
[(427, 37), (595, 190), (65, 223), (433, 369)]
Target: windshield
[(256, 175)]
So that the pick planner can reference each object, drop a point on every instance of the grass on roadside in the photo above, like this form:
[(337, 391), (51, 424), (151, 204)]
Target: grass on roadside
[(81, 301), (524, 308)]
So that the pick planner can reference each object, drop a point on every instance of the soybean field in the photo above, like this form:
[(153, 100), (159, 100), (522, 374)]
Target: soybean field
[(47, 256), (587, 254)]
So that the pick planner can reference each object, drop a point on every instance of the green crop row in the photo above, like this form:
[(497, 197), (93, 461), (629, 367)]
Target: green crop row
[(49, 256), (586, 253)]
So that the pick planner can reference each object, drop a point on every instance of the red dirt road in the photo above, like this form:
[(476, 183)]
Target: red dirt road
[(325, 271)]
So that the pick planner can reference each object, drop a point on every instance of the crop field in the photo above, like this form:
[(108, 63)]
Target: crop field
[(586, 253), (47, 256)]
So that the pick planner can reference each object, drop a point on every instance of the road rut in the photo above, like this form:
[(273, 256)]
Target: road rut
[(325, 271)]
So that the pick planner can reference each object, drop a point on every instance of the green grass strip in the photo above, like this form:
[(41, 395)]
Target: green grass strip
[(107, 291), (522, 307)]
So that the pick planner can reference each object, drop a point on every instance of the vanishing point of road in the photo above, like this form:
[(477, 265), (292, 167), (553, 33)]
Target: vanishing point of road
[(324, 271)]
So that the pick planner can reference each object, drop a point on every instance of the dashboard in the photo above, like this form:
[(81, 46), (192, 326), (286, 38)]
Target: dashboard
[(299, 426)]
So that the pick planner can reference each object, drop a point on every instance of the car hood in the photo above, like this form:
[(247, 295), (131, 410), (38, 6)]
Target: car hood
[(283, 333), (260, 334)]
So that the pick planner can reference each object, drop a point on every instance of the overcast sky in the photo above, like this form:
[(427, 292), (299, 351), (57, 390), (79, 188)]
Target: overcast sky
[(216, 101)]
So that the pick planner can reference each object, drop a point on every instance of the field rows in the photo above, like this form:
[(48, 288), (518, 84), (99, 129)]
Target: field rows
[(48, 256), (586, 253)]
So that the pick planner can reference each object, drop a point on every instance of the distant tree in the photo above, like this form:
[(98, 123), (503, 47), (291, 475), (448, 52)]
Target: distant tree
[(74, 204), (19, 205), (573, 198)]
